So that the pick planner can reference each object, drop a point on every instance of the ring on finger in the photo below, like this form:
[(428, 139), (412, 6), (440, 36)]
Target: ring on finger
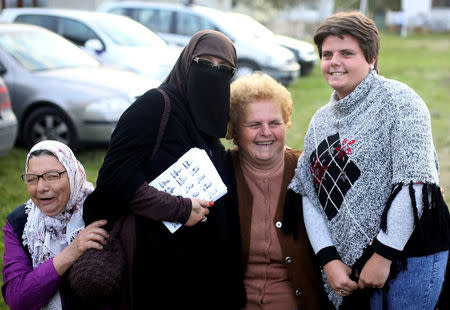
[(341, 292), (204, 219)]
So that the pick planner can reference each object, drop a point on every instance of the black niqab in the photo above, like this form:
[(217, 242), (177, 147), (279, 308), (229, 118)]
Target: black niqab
[(206, 90)]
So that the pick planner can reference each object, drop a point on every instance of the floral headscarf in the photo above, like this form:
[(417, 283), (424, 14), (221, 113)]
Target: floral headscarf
[(46, 236)]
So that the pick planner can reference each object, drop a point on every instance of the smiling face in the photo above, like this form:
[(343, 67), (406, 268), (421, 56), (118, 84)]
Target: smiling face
[(261, 134), (50, 198), (343, 64)]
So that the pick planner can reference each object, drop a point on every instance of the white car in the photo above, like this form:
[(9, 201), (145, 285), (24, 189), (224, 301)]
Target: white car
[(177, 23), (113, 40)]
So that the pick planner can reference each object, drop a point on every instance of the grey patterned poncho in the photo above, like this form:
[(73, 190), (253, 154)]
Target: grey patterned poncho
[(356, 150)]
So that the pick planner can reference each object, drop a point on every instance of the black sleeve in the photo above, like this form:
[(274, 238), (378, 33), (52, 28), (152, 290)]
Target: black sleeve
[(160, 206), (130, 147), (327, 254)]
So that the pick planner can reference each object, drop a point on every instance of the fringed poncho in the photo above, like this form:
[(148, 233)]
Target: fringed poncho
[(358, 152)]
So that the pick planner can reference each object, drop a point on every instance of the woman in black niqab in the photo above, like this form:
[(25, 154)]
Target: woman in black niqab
[(182, 269), (206, 91)]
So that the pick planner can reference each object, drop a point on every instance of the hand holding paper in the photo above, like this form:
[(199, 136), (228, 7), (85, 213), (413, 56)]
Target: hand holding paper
[(193, 175), (199, 211)]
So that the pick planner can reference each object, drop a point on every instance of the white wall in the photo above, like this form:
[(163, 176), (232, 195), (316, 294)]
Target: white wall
[(416, 7)]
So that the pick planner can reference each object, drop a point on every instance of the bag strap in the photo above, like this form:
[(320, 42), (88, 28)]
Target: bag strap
[(163, 123), (162, 126), (128, 222)]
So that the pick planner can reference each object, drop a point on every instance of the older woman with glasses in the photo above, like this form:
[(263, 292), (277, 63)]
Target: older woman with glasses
[(189, 268), (46, 235)]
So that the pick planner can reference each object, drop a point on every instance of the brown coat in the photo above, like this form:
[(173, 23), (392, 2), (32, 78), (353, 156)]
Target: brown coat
[(303, 271)]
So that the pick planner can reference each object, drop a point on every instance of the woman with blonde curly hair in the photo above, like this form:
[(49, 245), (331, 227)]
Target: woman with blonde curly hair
[(278, 262)]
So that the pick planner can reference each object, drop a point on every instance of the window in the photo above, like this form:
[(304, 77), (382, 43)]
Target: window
[(75, 31), (48, 22), (31, 49), (188, 24), (156, 20), (120, 11)]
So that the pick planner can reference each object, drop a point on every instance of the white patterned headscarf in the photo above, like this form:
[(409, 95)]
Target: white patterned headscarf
[(46, 236)]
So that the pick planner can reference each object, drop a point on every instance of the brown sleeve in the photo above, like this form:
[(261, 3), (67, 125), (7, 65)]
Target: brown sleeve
[(160, 206)]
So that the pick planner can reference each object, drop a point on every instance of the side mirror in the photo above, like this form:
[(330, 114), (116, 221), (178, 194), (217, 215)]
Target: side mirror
[(94, 45)]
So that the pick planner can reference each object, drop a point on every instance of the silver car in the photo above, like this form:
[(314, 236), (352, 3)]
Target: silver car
[(113, 40), (304, 52), (59, 91), (176, 23), (8, 121)]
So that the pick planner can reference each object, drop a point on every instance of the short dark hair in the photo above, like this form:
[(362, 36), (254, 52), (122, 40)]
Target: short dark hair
[(353, 23)]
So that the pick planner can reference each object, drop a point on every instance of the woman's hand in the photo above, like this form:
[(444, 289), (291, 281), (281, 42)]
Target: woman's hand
[(375, 272), (338, 275), (199, 211), (91, 237)]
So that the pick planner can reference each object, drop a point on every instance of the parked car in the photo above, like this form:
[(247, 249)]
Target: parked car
[(60, 92), (177, 23), (8, 121), (113, 40), (304, 52)]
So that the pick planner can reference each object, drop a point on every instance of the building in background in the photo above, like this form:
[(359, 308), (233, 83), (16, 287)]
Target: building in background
[(420, 15), (299, 21), (20, 3)]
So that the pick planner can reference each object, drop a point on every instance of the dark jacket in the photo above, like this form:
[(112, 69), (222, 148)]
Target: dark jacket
[(186, 269), (303, 270)]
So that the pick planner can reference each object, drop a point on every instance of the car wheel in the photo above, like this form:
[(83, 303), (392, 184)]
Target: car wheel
[(49, 123), (305, 68), (244, 68)]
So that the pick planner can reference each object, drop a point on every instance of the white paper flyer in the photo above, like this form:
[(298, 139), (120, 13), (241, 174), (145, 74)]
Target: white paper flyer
[(193, 175)]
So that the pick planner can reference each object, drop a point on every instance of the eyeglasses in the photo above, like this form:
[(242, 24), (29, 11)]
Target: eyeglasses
[(220, 67), (51, 176)]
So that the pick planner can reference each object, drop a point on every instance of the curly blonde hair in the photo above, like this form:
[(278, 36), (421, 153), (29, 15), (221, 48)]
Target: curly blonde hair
[(253, 87)]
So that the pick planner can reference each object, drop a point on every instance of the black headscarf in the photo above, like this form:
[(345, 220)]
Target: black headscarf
[(206, 90)]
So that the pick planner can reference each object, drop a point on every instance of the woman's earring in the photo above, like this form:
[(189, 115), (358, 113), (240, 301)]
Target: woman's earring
[(372, 67)]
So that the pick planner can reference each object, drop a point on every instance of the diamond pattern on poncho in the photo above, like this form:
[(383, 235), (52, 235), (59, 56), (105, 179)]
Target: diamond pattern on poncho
[(333, 172)]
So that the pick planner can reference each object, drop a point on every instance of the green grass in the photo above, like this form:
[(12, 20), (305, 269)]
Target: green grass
[(421, 61)]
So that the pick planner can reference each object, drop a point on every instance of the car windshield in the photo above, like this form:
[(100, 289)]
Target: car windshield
[(125, 31), (236, 22), (40, 51)]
